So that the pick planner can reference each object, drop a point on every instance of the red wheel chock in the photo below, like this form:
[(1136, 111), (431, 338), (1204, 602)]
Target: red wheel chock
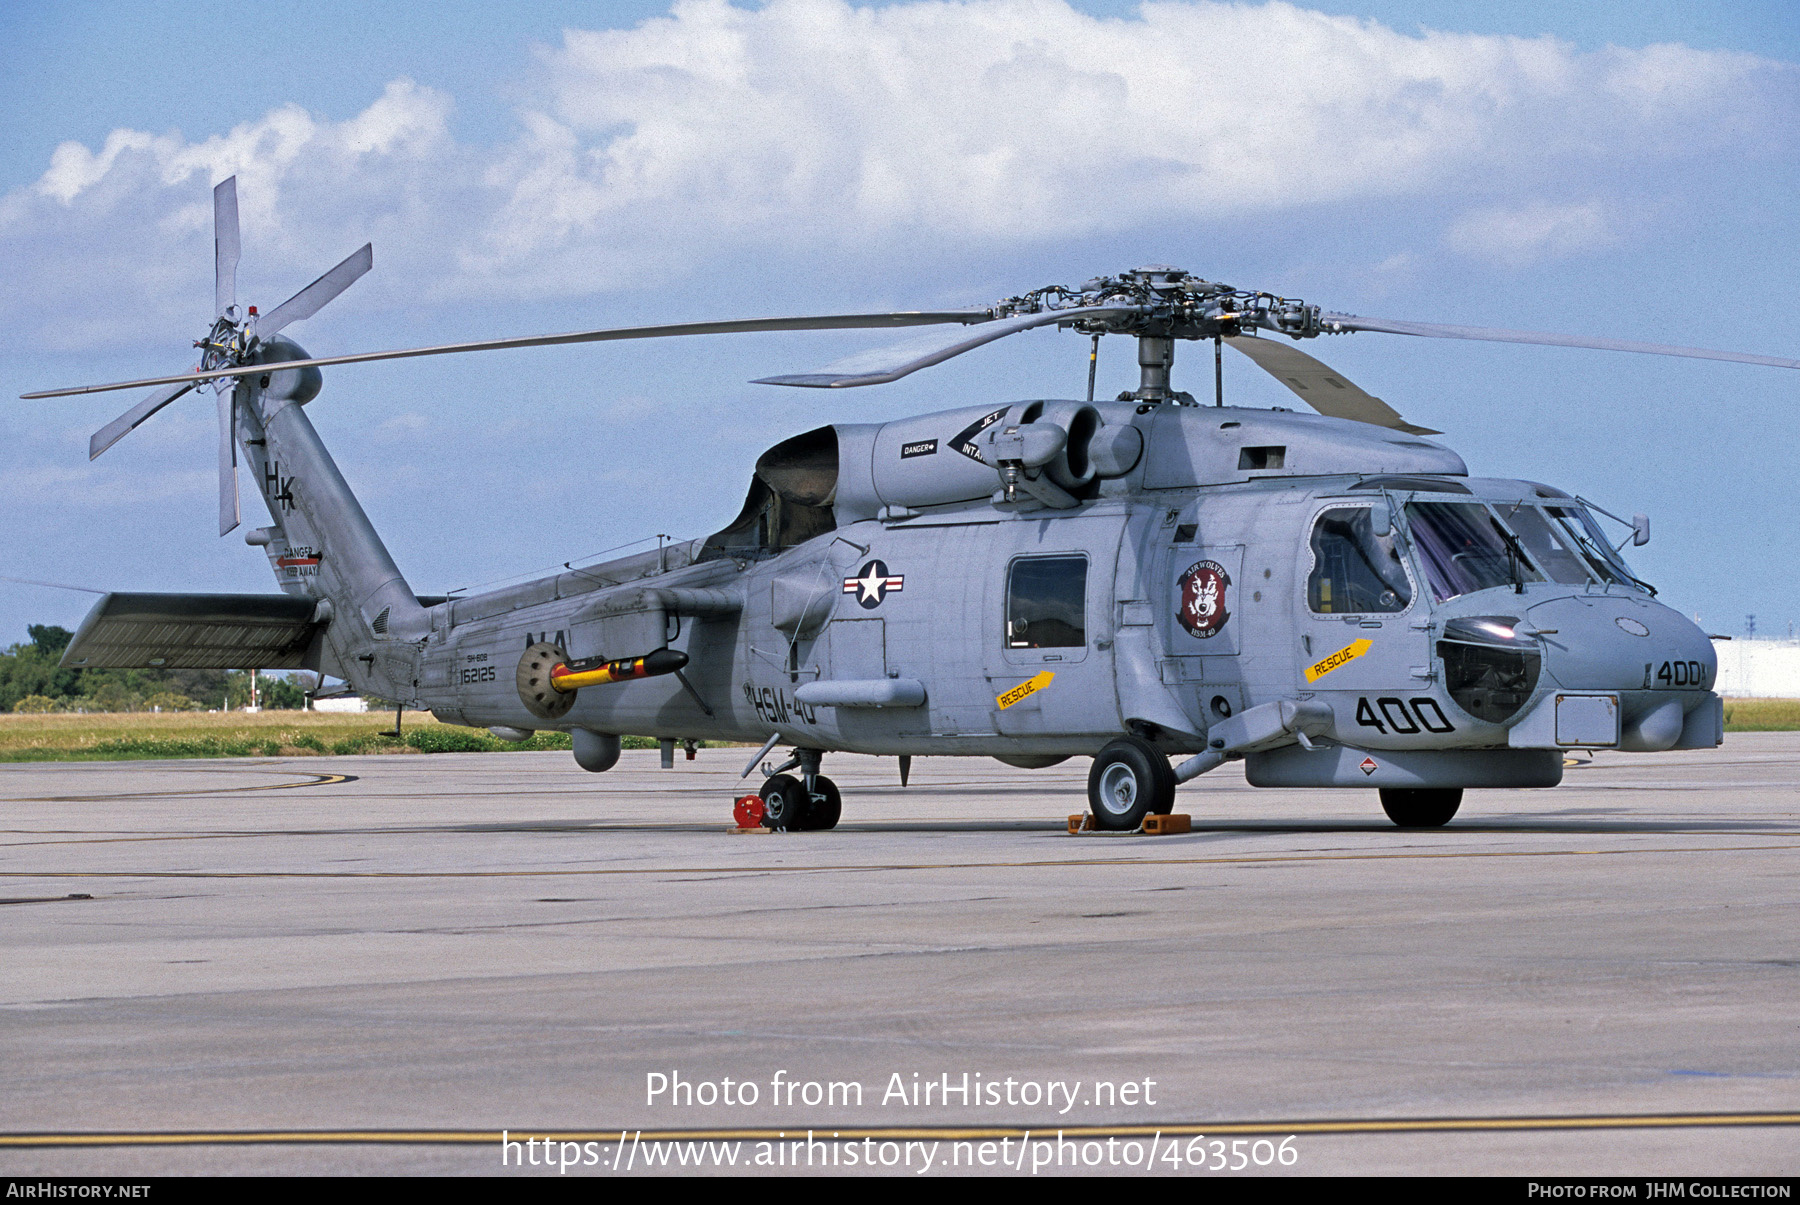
[(748, 811)]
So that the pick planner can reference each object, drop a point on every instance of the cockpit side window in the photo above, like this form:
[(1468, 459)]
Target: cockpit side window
[(1354, 570), (1046, 603), (1463, 549)]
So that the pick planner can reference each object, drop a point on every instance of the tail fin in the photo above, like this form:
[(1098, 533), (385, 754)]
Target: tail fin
[(322, 544)]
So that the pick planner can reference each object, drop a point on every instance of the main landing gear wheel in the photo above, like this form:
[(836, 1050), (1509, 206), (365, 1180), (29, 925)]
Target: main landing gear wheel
[(1421, 807), (788, 808), (825, 806), (1129, 780), (784, 803)]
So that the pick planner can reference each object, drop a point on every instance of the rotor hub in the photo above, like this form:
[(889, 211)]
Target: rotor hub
[(1164, 304), (1169, 303), (228, 344)]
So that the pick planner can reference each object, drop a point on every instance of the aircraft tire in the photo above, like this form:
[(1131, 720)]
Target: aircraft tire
[(826, 805), (784, 803), (1421, 807), (1130, 779)]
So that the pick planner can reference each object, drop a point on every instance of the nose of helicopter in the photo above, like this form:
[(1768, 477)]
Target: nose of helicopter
[(1659, 662), (1609, 642)]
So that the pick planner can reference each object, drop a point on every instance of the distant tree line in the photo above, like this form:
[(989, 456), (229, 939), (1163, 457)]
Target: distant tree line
[(31, 680)]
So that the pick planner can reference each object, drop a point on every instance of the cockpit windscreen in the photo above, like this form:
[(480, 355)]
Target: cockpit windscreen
[(1548, 544), (1591, 541), (1464, 549)]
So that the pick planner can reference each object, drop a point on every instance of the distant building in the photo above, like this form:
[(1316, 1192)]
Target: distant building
[(1758, 669), (341, 703)]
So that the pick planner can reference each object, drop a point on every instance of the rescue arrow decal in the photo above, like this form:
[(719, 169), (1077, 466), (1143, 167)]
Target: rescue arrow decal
[(1343, 656), (1024, 689)]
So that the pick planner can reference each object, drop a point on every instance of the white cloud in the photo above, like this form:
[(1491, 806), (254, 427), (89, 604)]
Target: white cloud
[(1027, 119), (114, 243), (74, 168), (1516, 236), (406, 121), (815, 128)]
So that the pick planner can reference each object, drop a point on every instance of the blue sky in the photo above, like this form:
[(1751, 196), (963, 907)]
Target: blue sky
[(1625, 170)]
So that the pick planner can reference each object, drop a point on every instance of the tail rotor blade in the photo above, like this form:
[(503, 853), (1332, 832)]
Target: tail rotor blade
[(312, 298), (226, 247), (122, 426), (228, 476)]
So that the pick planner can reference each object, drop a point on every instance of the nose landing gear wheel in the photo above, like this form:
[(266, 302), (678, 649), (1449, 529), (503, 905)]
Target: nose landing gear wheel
[(1421, 807), (1129, 780)]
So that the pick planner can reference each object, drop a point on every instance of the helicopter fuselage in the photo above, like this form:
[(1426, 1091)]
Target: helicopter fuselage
[(1339, 604), (1330, 598)]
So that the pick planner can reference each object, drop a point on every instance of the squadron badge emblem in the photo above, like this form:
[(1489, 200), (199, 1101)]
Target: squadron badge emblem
[(1202, 611)]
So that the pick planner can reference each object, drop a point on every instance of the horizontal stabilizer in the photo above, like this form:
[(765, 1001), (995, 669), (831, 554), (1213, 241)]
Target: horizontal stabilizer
[(195, 631)]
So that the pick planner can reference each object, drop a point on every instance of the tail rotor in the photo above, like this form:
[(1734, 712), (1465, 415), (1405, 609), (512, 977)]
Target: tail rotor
[(232, 342)]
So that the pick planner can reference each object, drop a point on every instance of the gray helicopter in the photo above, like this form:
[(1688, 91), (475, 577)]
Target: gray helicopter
[(1157, 584)]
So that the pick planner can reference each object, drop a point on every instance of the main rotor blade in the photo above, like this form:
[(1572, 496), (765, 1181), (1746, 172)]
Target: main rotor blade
[(1433, 330), (312, 298), (828, 322), (1321, 386), (226, 247), (228, 476), (122, 426), (886, 364)]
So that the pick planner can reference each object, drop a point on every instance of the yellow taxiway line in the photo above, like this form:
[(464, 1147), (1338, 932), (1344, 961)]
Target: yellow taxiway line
[(1401, 1125)]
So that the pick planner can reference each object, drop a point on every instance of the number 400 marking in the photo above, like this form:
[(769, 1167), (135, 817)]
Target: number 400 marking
[(1403, 716)]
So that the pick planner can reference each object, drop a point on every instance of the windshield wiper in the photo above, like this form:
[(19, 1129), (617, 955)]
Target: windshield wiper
[(1514, 556), (1611, 564)]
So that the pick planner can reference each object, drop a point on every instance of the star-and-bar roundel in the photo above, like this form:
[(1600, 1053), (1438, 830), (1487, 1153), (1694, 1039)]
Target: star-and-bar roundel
[(873, 583)]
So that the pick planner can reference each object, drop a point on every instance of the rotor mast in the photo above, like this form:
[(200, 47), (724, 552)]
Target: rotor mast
[(1156, 359), (1156, 352)]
